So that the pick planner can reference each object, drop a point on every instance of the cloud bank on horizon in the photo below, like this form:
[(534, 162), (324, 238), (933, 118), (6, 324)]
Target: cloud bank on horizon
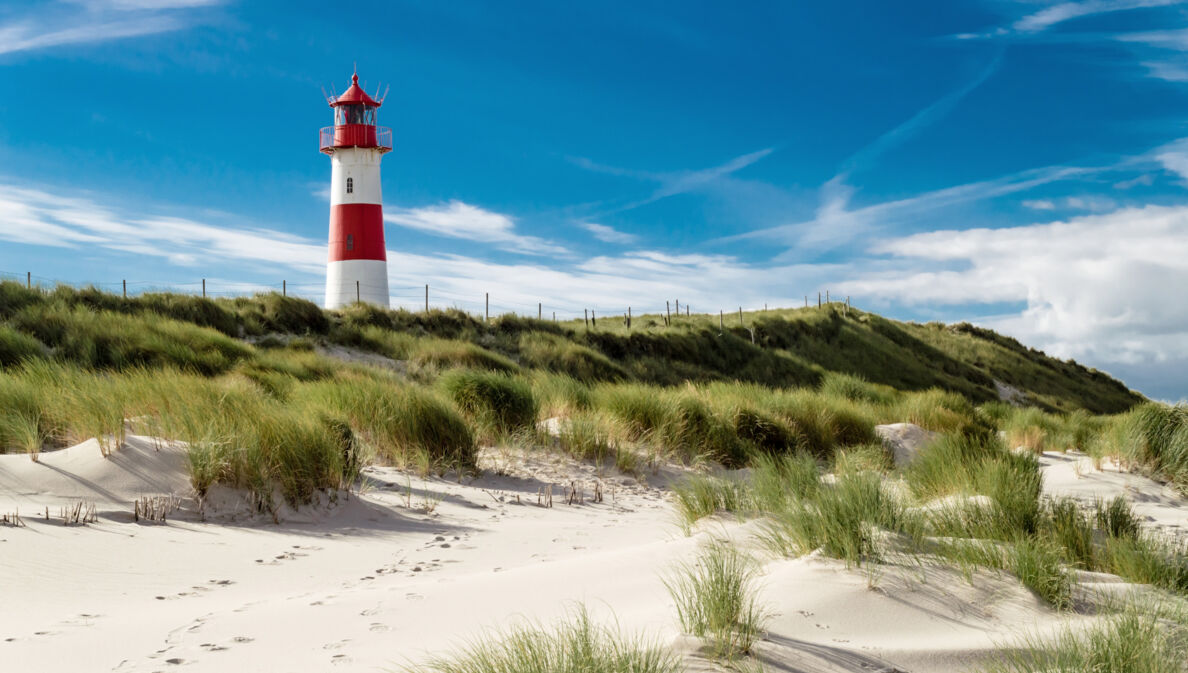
[(1019, 165)]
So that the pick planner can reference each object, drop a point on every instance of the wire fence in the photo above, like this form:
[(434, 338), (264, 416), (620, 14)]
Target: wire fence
[(416, 298)]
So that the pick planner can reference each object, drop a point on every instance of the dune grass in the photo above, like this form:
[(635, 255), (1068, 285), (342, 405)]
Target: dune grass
[(497, 403), (577, 645), (717, 598), (1142, 638)]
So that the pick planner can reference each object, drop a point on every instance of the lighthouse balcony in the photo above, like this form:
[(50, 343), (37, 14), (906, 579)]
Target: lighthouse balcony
[(331, 138)]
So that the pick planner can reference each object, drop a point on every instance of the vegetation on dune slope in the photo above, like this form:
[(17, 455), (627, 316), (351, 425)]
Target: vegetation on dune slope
[(781, 348), (243, 382)]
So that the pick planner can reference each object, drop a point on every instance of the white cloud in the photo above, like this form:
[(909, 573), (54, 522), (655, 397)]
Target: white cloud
[(1090, 203), (95, 21), (1064, 11), (462, 220), (608, 234), (1097, 287), (1174, 157), (642, 279)]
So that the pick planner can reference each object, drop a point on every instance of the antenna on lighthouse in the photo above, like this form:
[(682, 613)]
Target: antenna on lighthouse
[(326, 96), (381, 98)]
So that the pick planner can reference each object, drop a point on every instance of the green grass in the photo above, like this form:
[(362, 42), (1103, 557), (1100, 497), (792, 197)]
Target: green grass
[(717, 599), (498, 403), (577, 645), (1141, 639)]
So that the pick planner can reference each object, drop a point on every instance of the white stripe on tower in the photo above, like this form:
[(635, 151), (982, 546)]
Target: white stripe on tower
[(358, 267)]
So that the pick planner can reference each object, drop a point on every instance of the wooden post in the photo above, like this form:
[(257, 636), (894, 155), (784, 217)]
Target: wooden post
[(539, 310), (554, 316), (628, 317), (678, 308), (826, 296), (740, 320), (487, 310), (818, 300), (358, 294), (667, 312), (721, 320), (765, 307), (426, 297), (125, 288), (284, 288), (586, 317), (806, 301), (593, 319), (204, 287), (686, 310), (28, 280)]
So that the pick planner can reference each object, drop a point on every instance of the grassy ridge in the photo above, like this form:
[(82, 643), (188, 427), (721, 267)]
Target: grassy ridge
[(240, 380), (781, 348)]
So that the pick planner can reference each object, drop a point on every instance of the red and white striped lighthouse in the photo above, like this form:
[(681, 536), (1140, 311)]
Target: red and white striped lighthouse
[(357, 269)]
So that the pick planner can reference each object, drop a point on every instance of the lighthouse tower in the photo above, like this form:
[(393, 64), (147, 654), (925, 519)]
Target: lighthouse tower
[(357, 269)]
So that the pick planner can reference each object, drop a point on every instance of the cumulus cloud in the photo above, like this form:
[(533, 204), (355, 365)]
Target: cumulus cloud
[(1094, 287)]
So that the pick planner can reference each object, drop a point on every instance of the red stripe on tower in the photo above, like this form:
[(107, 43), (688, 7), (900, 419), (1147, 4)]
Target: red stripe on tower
[(357, 232)]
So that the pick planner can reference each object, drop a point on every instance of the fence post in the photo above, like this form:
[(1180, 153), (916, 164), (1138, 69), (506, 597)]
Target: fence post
[(586, 317), (554, 316), (628, 317), (426, 297), (593, 319), (125, 288), (826, 296), (203, 288), (686, 310), (487, 308), (806, 301), (28, 280), (740, 320), (667, 313), (818, 299), (721, 320), (539, 310), (678, 308)]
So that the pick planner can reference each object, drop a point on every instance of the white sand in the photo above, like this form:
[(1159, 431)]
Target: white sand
[(339, 586)]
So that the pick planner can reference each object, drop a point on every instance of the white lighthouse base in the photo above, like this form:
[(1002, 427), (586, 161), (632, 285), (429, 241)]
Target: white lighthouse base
[(351, 280)]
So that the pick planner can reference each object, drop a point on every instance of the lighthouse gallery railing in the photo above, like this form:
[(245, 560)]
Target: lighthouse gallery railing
[(354, 135)]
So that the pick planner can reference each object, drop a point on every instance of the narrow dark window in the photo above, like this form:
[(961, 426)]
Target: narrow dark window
[(350, 185), (350, 241)]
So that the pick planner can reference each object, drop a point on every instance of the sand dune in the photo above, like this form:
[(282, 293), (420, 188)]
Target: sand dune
[(376, 581)]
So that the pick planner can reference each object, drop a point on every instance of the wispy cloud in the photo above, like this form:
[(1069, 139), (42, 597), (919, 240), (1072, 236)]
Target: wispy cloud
[(608, 234), (1064, 11), (642, 279), (1095, 204), (462, 220), (95, 21), (835, 222), (673, 183)]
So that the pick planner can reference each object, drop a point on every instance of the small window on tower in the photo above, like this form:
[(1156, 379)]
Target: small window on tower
[(350, 185), (350, 241)]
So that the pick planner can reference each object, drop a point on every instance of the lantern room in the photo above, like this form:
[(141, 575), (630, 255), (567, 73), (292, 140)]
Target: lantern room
[(355, 122)]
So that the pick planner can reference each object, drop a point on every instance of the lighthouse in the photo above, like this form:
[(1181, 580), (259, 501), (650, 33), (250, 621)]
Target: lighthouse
[(357, 265)]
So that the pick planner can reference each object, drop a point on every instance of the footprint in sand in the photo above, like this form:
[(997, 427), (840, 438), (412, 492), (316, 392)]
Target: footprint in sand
[(413, 596), (379, 628), (336, 645), (242, 639), (340, 659)]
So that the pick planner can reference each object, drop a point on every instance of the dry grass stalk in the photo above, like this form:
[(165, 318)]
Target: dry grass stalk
[(80, 513), (155, 508), (13, 519)]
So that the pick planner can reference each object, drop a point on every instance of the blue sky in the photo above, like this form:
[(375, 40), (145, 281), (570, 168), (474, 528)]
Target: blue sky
[(1020, 164)]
